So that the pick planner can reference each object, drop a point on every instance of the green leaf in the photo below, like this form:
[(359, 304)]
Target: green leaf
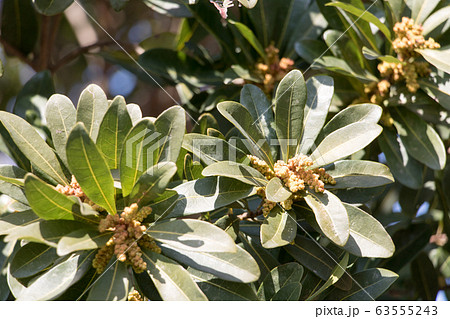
[(209, 149), (320, 92), (420, 139), (439, 58), (236, 266), (113, 284), (256, 102), (289, 109), (359, 174), (152, 183), (290, 292), (11, 182), (50, 204), (135, 113), (248, 34), (363, 15), (192, 170), (438, 88), (331, 215), (191, 234), (372, 283), (112, 132), (90, 168), (31, 259), (172, 281), (171, 126), (425, 277), (33, 146), (10, 223), (344, 142), (405, 169), (279, 277), (208, 194), (243, 121), (368, 238), (436, 19), (421, 9), (12, 150), (221, 290), (309, 50), (58, 279), (91, 108), (360, 113), (163, 205), (276, 191), (241, 172), (137, 154), (19, 25), (372, 55), (279, 228), (51, 7), (341, 66), (61, 118), (82, 239), (317, 259)]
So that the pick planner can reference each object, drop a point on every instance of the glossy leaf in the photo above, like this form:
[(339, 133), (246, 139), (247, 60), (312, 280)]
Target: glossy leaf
[(172, 281), (344, 142), (420, 139), (279, 277), (112, 131), (61, 118), (91, 108), (31, 259), (439, 58), (193, 235), (289, 109), (10, 223), (248, 34), (320, 92), (152, 183), (113, 284), (279, 228), (82, 239), (90, 168), (359, 174), (241, 172), (135, 113), (276, 191), (243, 121), (11, 182), (289, 292), (372, 283), (33, 146), (236, 266), (208, 194), (51, 7), (331, 215), (438, 88)]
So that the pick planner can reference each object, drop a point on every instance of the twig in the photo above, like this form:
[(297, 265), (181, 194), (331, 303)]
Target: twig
[(15, 52)]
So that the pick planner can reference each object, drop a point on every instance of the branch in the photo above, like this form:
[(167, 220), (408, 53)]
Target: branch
[(9, 49)]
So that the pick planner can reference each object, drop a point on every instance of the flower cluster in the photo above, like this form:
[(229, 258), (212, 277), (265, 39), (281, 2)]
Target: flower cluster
[(127, 239), (295, 176), (74, 189), (275, 69), (134, 295)]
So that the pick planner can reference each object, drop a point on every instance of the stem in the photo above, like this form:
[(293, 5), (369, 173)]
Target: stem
[(13, 51)]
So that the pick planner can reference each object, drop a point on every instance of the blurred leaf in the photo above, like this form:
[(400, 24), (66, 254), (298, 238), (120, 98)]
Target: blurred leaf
[(438, 88), (51, 7), (192, 235), (372, 283), (420, 9), (90, 168), (174, 8), (10, 223), (208, 194), (320, 92), (7, 251), (118, 4), (331, 215), (61, 118), (241, 172), (33, 146), (368, 238), (137, 154), (152, 183), (425, 277), (236, 266), (31, 259), (436, 19), (278, 229), (82, 239), (276, 191), (112, 131), (248, 34), (243, 121), (113, 284), (11, 182), (420, 139), (221, 290), (439, 58), (172, 281), (91, 108), (279, 277), (405, 169), (19, 26), (358, 174), (310, 50), (289, 109)]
